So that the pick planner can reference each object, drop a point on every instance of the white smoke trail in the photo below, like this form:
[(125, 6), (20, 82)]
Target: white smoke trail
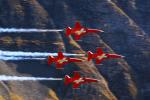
[(20, 55), (32, 54), (20, 30), (20, 58), (17, 78)]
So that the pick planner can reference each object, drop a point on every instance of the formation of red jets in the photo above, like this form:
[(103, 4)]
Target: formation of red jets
[(78, 31), (77, 80), (61, 60)]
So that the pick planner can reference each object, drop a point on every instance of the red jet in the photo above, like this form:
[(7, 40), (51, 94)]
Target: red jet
[(100, 56), (77, 80), (61, 60), (79, 31)]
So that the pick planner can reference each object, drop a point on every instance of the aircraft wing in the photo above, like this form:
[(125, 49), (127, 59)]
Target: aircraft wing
[(75, 85), (59, 66), (77, 37), (98, 61)]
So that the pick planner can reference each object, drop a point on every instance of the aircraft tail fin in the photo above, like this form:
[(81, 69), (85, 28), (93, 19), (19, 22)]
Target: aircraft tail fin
[(68, 31), (90, 55), (67, 80), (50, 60)]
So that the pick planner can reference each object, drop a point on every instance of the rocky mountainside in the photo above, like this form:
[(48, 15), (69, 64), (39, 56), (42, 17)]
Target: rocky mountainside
[(138, 10), (126, 32)]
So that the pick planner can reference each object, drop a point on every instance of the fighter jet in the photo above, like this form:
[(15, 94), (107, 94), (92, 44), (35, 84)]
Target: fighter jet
[(79, 31), (100, 56), (77, 80), (61, 60)]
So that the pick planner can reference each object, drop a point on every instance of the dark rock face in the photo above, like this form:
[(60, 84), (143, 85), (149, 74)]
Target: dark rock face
[(138, 10), (122, 79)]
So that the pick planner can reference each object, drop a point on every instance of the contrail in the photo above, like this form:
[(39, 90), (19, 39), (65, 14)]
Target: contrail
[(20, 55), (23, 30), (20, 58), (17, 78), (32, 54)]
